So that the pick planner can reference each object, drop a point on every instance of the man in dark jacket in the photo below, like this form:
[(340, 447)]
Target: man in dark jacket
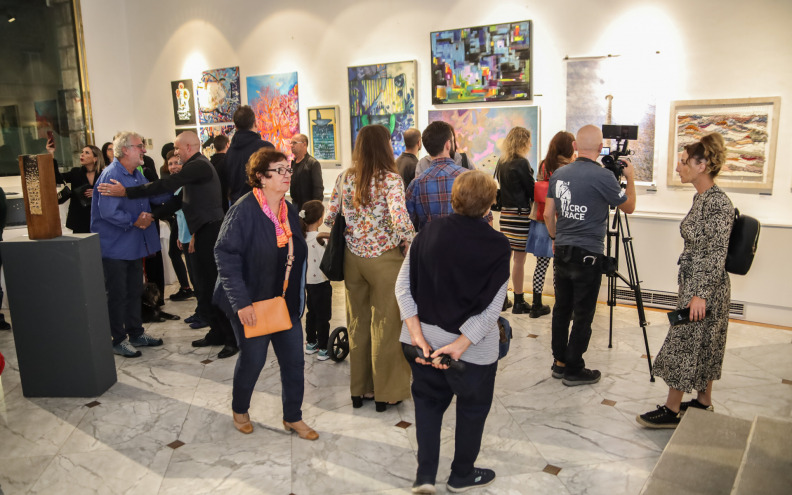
[(245, 142), (200, 199), (219, 162), (306, 181)]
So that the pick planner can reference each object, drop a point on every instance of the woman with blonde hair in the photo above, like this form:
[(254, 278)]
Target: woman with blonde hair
[(370, 195), (515, 176), (692, 355)]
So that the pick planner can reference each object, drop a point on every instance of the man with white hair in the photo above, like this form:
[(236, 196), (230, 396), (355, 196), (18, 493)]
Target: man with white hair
[(126, 236), (584, 192)]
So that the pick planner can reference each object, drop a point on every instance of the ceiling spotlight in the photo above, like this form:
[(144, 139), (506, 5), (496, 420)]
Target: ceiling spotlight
[(11, 18)]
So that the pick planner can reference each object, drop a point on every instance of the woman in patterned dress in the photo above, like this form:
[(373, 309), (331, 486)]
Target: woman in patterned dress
[(515, 176), (370, 195), (692, 355)]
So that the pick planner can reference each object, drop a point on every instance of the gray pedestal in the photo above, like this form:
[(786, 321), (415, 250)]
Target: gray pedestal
[(59, 313)]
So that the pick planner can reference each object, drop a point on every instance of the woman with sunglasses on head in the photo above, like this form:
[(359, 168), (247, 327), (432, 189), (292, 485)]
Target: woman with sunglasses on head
[(252, 252), (82, 180)]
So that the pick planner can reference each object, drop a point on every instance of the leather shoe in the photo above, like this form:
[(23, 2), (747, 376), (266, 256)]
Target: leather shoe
[(198, 324), (302, 429), (203, 343), (242, 422), (227, 351)]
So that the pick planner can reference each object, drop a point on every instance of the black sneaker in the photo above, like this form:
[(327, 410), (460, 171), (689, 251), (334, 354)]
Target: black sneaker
[(4, 325), (182, 295), (694, 404), (477, 478), (541, 310), (558, 371), (582, 377), (662, 417), (424, 485)]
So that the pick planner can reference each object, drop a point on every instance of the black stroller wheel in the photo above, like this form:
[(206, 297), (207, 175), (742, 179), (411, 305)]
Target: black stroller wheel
[(339, 344)]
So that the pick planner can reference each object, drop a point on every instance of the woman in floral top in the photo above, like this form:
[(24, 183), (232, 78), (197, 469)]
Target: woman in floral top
[(370, 195)]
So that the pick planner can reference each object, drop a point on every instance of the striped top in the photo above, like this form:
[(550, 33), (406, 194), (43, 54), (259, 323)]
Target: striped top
[(481, 329)]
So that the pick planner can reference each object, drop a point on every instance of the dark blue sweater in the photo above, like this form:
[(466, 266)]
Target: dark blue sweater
[(250, 265)]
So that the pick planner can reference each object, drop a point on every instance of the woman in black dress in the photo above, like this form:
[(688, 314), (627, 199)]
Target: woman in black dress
[(82, 180)]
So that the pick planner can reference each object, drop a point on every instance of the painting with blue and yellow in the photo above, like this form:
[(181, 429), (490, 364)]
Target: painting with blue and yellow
[(482, 63), (383, 94)]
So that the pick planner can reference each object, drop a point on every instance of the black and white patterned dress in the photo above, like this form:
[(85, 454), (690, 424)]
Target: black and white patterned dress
[(692, 353)]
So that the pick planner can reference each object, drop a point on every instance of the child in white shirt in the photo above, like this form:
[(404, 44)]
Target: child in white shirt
[(319, 291)]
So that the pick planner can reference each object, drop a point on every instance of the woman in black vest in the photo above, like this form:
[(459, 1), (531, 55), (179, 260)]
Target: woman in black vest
[(450, 296)]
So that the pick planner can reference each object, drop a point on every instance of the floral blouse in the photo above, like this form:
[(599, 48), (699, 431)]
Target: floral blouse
[(379, 227)]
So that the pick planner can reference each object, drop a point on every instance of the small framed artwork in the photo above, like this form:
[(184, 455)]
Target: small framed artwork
[(749, 127), (323, 133)]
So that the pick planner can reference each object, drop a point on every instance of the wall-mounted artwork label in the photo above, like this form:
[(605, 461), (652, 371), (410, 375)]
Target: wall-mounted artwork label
[(482, 63), (618, 91), (749, 127), (480, 131), (274, 100), (323, 132), (208, 133), (383, 94), (218, 95), (183, 102)]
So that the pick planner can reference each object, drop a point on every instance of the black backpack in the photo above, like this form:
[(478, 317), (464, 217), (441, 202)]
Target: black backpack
[(742, 243)]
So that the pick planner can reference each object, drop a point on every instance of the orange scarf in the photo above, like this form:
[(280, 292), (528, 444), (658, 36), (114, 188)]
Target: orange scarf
[(282, 229)]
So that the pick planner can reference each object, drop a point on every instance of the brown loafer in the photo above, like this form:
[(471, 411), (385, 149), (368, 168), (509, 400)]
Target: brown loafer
[(242, 422), (302, 429)]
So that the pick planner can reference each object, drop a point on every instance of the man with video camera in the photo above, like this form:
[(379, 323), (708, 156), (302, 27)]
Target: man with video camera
[(576, 214)]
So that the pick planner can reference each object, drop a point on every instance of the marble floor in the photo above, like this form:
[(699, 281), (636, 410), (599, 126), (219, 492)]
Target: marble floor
[(165, 427)]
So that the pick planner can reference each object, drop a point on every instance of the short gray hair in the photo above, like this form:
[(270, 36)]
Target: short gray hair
[(121, 141)]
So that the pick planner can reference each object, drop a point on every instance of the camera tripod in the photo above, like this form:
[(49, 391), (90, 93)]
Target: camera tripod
[(616, 230)]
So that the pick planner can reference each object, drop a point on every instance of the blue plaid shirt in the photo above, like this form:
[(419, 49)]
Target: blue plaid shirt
[(429, 194)]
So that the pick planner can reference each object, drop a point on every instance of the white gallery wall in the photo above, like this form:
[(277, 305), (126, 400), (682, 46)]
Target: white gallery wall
[(709, 49)]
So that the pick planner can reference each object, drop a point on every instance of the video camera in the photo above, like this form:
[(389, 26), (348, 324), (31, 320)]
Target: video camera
[(622, 134)]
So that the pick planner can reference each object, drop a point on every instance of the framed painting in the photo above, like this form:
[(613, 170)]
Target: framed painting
[(274, 100), (185, 129), (480, 131), (609, 90), (383, 94), (183, 98), (218, 95), (482, 63), (207, 134), (749, 127), (323, 133)]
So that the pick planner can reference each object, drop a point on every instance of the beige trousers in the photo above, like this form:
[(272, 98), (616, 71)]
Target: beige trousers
[(376, 361)]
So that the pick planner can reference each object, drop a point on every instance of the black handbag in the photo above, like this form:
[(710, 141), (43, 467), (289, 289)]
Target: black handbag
[(332, 264), (64, 194)]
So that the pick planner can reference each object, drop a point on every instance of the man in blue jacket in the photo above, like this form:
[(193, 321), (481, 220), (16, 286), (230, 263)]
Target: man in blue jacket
[(126, 236)]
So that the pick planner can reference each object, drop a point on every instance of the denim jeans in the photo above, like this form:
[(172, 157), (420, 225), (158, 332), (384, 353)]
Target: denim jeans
[(124, 287), (252, 357), (432, 391), (576, 289)]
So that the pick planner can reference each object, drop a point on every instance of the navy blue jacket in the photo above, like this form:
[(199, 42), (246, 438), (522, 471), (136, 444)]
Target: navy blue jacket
[(243, 145), (250, 265)]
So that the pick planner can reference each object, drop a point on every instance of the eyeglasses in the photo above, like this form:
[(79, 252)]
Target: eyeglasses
[(282, 170), (140, 146), (295, 143)]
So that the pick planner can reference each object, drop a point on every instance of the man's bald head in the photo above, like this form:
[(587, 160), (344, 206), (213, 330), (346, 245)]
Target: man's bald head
[(188, 138), (588, 141), (186, 145)]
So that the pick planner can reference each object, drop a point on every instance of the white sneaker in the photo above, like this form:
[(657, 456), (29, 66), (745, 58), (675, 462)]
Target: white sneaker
[(323, 355)]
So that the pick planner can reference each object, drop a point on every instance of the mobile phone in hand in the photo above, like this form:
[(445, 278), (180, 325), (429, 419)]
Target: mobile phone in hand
[(681, 316)]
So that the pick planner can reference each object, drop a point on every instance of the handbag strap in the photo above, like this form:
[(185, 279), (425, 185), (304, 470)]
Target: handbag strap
[(289, 263)]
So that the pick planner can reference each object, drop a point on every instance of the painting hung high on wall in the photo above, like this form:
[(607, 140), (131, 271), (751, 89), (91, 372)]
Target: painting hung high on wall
[(383, 94), (617, 91), (218, 95), (183, 102), (482, 63), (749, 127), (480, 131), (274, 100), (208, 133), (323, 133)]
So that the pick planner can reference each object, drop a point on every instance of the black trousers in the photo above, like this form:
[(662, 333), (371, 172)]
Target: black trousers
[(124, 287), (175, 255), (190, 258), (576, 288), (220, 331), (319, 301), (432, 391)]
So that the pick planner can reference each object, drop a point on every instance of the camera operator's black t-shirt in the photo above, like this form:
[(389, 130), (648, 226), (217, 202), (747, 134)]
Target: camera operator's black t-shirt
[(582, 192)]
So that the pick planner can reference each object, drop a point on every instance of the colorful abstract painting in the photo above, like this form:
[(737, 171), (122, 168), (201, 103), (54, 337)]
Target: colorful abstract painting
[(274, 100), (618, 91), (383, 94), (218, 95), (183, 102), (323, 133), (480, 131), (482, 63), (207, 135), (749, 128)]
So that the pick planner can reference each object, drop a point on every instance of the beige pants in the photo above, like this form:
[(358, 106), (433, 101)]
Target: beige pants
[(376, 361)]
